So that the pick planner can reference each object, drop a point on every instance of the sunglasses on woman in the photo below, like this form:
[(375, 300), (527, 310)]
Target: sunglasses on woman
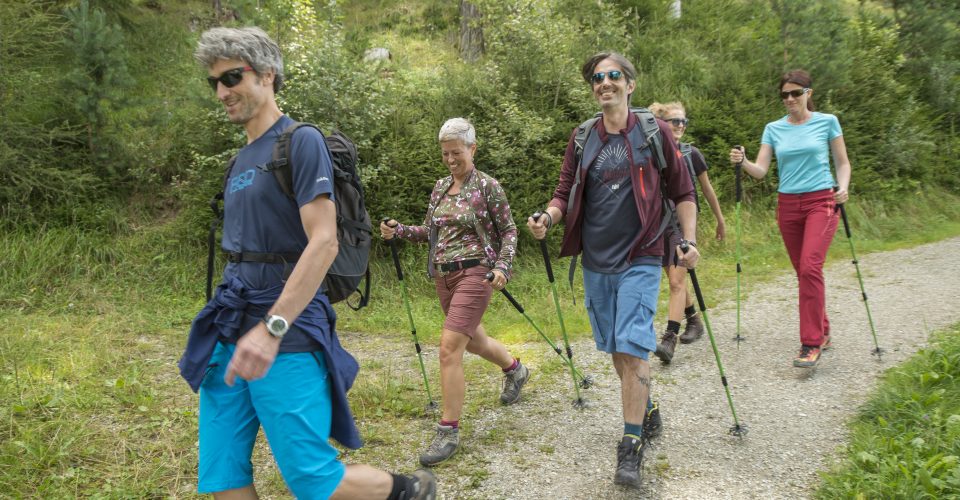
[(678, 122), (796, 93), (228, 78), (612, 75)]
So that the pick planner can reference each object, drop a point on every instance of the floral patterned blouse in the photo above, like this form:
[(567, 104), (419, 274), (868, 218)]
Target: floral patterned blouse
[(476, 223)]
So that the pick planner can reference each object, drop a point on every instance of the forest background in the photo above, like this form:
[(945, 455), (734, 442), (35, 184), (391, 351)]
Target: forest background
[(111, 145)]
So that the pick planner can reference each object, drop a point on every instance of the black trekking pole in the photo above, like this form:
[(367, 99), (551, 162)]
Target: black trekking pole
[(431, 405), (738, 429), (846, 227), (579, 402), (738, 169), (585, 382)]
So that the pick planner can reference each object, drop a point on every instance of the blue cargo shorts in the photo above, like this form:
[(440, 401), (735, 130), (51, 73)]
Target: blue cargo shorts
[(621, 307)]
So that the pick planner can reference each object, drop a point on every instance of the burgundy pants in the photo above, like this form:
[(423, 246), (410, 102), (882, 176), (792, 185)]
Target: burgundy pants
[(807, 223)]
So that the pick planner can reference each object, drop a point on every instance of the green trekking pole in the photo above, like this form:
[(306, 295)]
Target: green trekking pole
[(584, 382), (738, 429), (738, 169), (431, 405), (577, 403), (846, 227)]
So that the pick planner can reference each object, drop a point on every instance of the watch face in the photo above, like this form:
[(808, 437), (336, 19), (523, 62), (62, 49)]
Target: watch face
[(277, 325)]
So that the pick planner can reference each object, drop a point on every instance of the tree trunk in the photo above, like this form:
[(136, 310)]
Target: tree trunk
[(471, 33)]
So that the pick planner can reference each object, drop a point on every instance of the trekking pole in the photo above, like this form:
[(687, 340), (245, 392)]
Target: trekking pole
[(738, 169), (579, 402), (738, 429), (432, 405), (556, 303), (846, 227)]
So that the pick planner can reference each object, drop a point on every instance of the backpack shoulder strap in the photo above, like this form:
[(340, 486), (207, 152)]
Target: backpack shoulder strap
[(651, 131), (583, 130), (280, 163)]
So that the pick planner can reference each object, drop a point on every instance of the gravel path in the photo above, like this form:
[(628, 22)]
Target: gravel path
[(796, 417)]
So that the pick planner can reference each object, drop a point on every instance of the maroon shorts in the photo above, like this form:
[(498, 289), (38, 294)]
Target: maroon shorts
[(671, 239), (464, 296)]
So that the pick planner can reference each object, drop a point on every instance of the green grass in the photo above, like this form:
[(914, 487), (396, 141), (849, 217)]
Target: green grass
[(905, 443), (94, 325)]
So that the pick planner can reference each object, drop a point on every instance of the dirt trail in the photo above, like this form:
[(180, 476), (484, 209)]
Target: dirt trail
[(796, 417)]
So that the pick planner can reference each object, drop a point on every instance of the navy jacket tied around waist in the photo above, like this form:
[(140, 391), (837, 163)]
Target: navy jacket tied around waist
[(224, 315)]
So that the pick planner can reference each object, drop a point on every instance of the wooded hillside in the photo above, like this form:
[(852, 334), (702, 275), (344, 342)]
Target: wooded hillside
[(104, 113)]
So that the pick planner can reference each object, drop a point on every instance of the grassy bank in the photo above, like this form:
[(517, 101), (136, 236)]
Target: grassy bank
[(94, 324), (905, 442)]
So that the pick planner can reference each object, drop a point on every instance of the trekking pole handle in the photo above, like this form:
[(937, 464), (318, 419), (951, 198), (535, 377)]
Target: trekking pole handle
[(393, 250), (843, 214), (738, 169), (684, 246), (516, 305), (543, 250)]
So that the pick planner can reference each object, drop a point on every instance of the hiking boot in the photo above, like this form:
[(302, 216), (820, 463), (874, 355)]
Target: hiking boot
[(513, 381), (666, 346), (629, 462), (809, 356), (652, 425), (444, 445), (693, 329), (422, 485)]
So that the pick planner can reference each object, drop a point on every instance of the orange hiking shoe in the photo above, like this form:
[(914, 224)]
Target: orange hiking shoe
[(808, 357)]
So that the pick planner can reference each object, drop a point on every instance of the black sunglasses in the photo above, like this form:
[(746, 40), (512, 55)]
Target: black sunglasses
[(613, 75), (228, 78), (795, 93), (678, 122)]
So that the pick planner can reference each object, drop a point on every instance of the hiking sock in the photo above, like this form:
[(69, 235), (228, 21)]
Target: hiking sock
[(451, 423), (516, 362), (673, 326), (401, 487), (632, 430), (690, 312)]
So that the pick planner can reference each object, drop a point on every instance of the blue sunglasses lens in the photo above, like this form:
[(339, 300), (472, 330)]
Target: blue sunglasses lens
[(612, 75)]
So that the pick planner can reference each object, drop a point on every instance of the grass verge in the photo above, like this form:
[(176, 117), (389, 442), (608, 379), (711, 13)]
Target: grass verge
[(905, 443)]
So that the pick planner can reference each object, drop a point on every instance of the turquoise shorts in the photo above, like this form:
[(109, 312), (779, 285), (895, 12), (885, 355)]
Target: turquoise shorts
[(292, 403), (621, 307)]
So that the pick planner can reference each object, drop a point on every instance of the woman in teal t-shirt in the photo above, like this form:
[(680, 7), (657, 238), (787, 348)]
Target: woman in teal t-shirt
[(807, 214)]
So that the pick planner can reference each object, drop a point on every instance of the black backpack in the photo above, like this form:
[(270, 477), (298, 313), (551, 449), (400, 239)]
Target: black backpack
[(353, 222)]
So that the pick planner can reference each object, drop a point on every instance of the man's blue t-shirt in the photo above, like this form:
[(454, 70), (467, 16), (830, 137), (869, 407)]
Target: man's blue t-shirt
[(259, 217), (803, 152)]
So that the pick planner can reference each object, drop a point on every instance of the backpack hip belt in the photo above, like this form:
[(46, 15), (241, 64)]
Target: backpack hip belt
[(264, 258)]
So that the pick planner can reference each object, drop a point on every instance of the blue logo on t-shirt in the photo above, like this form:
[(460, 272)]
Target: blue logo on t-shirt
[(242, 180)]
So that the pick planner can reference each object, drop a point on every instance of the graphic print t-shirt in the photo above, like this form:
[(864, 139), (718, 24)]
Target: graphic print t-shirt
[(611, 222)]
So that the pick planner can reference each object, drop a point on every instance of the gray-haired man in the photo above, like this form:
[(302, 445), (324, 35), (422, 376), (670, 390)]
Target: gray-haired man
[(264, 352)]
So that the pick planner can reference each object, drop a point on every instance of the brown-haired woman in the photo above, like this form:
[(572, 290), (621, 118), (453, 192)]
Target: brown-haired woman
[(804, 141)]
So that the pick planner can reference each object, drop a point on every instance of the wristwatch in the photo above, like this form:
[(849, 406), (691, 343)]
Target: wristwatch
[(276, 325)]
